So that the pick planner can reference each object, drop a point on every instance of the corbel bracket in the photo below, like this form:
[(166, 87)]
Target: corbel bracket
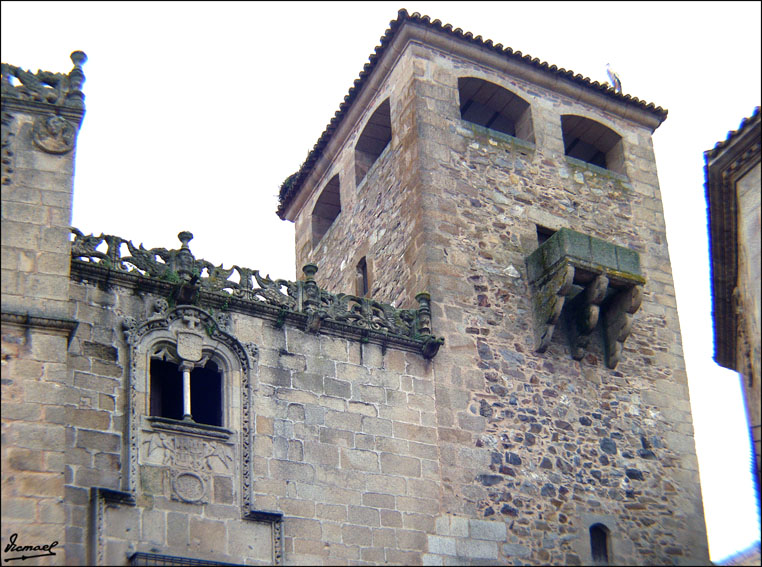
[(582, 277)]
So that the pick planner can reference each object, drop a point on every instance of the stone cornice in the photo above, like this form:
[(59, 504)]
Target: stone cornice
[(52, 324)]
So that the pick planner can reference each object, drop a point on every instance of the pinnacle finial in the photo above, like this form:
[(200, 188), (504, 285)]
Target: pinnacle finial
[(79, 58)]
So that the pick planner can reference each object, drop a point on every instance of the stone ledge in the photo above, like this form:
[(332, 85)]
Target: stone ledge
[(54, 324)]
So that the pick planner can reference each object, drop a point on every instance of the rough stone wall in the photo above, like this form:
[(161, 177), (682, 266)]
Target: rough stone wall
[(543, 444), (389, 186)]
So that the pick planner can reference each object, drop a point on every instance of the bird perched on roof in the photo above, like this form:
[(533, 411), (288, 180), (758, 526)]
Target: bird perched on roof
[(614, 78)]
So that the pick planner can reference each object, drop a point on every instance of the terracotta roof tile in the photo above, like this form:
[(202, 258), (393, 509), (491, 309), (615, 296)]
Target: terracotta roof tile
[(733, 134), (292, 184)]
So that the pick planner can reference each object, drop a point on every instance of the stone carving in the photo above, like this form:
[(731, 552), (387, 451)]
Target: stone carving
[(44, 86), (584, 315), (53, 134), (189, 486), (611, 282), (305, 297), (190, 460), (7, 148)]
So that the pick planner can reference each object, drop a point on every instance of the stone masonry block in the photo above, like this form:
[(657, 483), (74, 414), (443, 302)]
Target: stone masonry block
[(356, 535), (476, 549), (294, 471), (495, 531), (397, 465), (355, 459), (442, 545), (363, 515)]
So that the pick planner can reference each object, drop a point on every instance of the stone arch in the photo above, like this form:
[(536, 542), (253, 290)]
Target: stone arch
[(492, 106), (590, 141), (373, 140)]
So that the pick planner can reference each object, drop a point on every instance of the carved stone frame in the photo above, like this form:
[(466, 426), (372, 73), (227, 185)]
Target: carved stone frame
[(165, 326)]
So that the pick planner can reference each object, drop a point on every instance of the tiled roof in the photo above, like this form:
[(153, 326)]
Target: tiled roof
[(293, 183), (733, 134)]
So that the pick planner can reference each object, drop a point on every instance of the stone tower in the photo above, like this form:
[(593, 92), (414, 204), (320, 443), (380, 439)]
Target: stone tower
[(41, 115), (525, 200)]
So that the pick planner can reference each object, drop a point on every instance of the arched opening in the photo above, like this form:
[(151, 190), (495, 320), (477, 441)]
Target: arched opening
[(326, 209), (361, 278), (495, 107), (205, 391), (599, 544), (374, 138), (592, 142)]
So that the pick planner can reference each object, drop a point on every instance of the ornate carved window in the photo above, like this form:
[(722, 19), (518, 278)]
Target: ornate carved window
[(584, 277), (592, 142), (495, 107), (189, 402), (374, 138)]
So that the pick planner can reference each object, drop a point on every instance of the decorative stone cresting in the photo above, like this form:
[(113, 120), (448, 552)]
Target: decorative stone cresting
[(191, 276), (611, 282), (43, 86)]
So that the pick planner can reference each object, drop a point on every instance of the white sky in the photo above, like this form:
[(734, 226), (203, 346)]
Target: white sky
[(196, 112)]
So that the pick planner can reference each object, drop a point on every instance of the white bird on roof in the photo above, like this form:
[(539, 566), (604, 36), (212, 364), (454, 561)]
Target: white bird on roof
[(614, 78)]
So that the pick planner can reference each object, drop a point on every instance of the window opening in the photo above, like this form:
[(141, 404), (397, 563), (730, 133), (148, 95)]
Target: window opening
[(592, 142), (167, 392), (326, 209), (362, 277), (543, 233), (374, 138), (166, 389), (206, 394), (495, 107), (599, 547)]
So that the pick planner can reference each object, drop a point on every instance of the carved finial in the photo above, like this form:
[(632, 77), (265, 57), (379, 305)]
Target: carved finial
[(185, 237), (309, 271), (75, 97), (79, 58)]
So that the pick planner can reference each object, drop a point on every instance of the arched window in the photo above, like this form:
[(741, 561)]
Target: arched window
[(599, 544), (592, 142), (374, 138), (492, 106), (168, 390), (362, 282), (326, 209)]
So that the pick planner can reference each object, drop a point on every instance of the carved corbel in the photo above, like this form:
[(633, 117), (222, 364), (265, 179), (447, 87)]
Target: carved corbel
[(584, 315), (617, 321), (548, 301)]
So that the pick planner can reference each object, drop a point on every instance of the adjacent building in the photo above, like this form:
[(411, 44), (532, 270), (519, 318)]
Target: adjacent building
[(733, 198)]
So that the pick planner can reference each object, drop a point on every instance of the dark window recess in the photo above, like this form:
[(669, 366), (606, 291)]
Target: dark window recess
[(206, 395), (167, 392), (326, 209), (592, 142), (599, 544), (362, 277), (374, 138), (166, 389), (543, 233), (494, 107)]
